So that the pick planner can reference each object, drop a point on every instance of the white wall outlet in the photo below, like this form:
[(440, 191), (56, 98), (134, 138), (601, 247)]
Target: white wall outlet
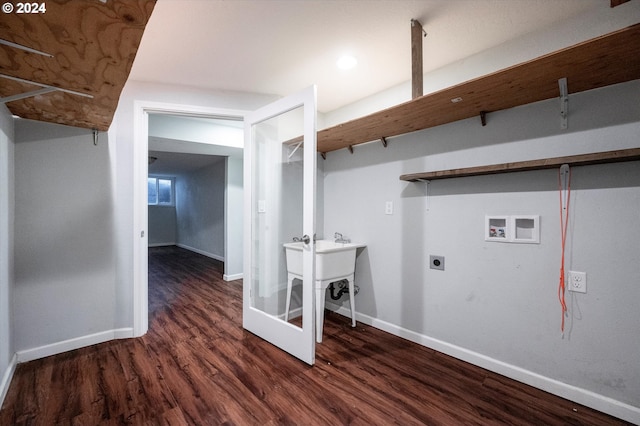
[(578, 281), (388, 207)]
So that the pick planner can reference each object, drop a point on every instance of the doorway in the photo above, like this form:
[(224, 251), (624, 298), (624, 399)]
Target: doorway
[(233, 197), (188, 181)]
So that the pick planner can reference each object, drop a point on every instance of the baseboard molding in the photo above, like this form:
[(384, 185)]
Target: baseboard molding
[(71, 344), (202, 252), (161, 244), (232, 277), (581, 396), (6, 378)]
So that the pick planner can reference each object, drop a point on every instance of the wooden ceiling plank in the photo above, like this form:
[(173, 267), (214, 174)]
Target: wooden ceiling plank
[(93, 46)]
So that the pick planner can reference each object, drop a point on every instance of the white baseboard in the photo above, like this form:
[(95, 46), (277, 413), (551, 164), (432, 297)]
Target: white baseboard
[(161, 244), (6, 378), (202, 252), (581, 396), (232, 277), (71, 344)]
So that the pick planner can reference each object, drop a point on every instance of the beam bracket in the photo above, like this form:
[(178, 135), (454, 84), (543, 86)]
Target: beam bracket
[(25, 95), (564, 102), (483, 118), (384, 141), (44, 86), (25, 48), (417, 87), (350, 148), (293, 151)]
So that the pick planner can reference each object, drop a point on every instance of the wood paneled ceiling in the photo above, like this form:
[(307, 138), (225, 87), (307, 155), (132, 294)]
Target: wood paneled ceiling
[(92, 45)]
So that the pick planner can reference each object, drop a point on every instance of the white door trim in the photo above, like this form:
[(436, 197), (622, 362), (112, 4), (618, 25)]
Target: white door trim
[(141, 110)]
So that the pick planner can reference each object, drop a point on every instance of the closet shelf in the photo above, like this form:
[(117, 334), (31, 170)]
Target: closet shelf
[(603, 61), (616, 156)]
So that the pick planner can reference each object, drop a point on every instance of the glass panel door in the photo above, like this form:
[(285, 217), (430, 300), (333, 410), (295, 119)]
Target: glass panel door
[(280, 172)]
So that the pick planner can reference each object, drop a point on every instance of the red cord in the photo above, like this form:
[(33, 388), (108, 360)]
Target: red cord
[(564, 222)]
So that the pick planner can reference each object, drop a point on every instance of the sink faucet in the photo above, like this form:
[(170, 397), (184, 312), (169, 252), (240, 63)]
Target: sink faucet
[(301, 239), (340, 239)]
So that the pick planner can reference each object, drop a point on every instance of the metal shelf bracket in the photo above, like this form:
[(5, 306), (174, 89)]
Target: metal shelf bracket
[(564, 102)]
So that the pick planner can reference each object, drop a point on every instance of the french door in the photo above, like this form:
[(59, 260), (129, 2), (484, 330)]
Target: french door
[(280, 202)]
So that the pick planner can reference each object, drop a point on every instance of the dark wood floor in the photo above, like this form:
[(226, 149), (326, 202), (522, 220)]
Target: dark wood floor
[(198, 366)]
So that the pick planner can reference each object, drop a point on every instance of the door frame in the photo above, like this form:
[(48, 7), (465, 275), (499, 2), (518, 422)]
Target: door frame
[(140, 291)]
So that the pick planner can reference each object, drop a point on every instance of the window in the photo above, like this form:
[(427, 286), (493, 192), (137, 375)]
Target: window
[(160, 190)]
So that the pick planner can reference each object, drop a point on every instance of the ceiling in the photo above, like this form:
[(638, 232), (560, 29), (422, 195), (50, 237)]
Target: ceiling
[(72, 58), (281, 46), (178, 163), (273, 47), (183, 144)]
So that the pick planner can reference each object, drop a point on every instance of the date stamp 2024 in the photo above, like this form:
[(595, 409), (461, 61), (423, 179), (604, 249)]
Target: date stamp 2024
[(24, 8)]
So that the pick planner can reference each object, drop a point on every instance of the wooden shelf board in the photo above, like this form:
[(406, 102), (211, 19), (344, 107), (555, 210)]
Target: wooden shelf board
[(616, 156), (603, 61)]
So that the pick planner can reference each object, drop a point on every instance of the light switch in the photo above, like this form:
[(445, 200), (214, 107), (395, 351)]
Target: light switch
[(388, 207)]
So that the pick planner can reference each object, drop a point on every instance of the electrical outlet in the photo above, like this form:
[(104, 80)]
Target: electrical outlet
[(388, 207), (578, 281)]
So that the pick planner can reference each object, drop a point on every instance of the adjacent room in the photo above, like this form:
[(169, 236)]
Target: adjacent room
[(478, 157), (189, 158)]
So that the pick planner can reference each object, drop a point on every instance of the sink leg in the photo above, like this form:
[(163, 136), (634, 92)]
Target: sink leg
[(352, 301), (319, 311), (290, 279)]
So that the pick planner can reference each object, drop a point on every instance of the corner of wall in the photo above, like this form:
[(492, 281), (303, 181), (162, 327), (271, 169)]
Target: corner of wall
[(7, 355)]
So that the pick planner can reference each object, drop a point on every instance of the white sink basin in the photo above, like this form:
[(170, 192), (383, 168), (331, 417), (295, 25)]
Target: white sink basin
[(332, 259)]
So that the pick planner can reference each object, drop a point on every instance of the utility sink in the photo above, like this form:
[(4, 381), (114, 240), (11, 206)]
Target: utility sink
[(332, 259), (334, 262)]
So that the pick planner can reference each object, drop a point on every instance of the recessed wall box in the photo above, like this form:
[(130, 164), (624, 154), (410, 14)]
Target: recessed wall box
[(512, 229), (497, 228), (526, 229)]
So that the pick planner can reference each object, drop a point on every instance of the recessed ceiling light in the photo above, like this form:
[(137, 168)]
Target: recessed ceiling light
[(347, 62), (456, 100)]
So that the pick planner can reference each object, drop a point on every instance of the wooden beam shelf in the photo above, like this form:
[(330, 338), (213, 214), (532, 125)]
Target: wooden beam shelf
[(616, 156), (603, 61)]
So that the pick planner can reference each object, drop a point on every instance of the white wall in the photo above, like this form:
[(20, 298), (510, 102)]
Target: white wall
[(64, 260), (234, 201), (6, 248), (200, 210), (162, 226), (496, 304)]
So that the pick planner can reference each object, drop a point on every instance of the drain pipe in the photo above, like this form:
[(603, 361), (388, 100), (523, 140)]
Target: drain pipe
[(344, 288)]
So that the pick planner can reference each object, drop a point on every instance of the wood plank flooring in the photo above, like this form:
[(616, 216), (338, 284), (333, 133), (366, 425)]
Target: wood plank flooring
[(197, 366)]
